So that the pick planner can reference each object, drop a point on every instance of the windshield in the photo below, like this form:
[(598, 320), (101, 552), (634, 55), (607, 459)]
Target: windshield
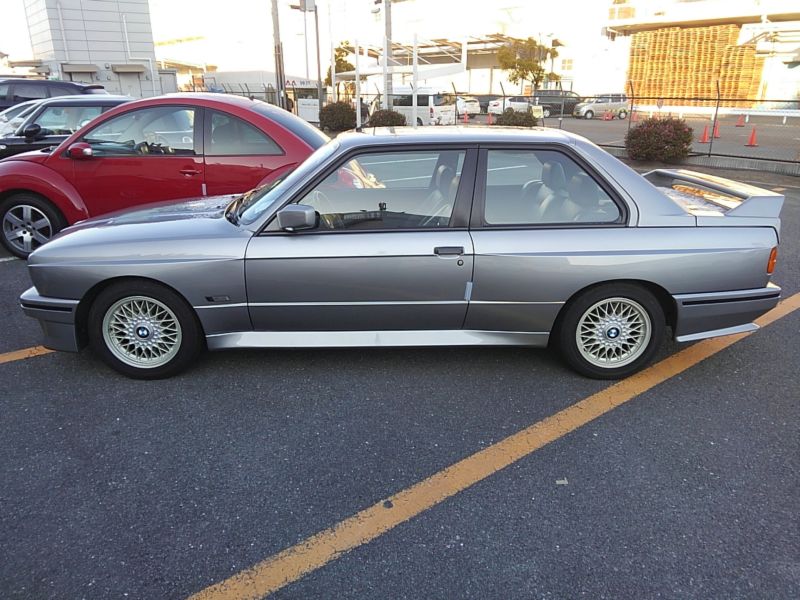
[(255, 205)]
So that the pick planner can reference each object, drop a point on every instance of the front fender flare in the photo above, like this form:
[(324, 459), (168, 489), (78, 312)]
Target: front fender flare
[(24, 176)]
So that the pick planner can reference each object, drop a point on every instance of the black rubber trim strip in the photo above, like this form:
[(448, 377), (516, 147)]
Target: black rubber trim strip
[(65, 309), (726, 300)]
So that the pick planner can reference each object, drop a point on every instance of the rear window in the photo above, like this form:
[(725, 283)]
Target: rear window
[(444, 99)]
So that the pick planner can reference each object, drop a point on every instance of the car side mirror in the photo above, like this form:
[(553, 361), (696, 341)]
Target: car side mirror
[(80, 151), (32, 131), (297, 217)]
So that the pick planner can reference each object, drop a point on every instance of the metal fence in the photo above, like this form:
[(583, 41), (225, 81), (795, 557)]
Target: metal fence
[(767, 129)]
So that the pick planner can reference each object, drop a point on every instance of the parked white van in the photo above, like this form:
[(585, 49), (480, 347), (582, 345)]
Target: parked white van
[(434, 107)]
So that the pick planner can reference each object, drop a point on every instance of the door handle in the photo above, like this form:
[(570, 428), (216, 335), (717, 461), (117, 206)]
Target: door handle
[(449, 250), (189, 172)]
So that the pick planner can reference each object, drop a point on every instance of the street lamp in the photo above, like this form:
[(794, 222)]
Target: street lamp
[(309, 6)]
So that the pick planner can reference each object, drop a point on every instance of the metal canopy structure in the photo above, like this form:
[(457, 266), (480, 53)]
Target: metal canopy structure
[(481, 52)]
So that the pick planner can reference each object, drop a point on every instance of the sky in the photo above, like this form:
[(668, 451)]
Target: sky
[(237, 34)]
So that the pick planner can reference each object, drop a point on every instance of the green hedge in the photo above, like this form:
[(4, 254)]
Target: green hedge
[(337, 116), (513, 118), (664, 140)]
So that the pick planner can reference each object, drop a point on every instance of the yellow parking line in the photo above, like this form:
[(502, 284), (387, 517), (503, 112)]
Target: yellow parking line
[(24, 353), (314, 552)]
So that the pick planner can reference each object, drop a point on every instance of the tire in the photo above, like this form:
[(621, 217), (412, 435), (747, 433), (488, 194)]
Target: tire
[(611, 331), (588, 114), (419, 122), (622, 115), (28, 221), (545, 112), (144, 330)]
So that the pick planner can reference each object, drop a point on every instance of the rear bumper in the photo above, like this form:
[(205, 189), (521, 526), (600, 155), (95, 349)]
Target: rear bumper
[(701, 316), (57, 318)]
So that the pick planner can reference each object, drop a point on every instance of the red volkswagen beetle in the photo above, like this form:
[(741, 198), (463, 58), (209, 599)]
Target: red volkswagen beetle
[(165, 148)]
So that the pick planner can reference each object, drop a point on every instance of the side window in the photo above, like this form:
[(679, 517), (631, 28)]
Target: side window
[(27, 91), (65, 120), (540, 187), (157, 131), (230, 136), (3, 90), (389, 190)]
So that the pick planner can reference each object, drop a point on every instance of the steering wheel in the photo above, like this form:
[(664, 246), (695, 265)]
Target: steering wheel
[(442, 211), (324, 207)]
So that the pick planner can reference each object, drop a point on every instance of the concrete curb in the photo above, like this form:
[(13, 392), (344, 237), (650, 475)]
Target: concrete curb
[(727, 162)]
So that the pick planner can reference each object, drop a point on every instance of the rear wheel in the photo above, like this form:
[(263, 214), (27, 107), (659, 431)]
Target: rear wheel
[(546, 112), (622, 114), (144, 330), (611, 331), (28, 222)]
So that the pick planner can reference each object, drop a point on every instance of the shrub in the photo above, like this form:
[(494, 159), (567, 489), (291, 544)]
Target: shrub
[(666, 140), (337, 116), (386, 118), (513, 118)]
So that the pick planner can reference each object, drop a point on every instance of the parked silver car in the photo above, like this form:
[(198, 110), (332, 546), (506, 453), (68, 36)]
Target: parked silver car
[(467, 237), (614, 105)]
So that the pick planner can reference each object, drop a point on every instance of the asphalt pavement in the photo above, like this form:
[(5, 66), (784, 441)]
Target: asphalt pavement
[(113, 488)]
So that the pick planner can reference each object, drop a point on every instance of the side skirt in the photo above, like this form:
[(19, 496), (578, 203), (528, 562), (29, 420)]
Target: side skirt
[(350, 339)]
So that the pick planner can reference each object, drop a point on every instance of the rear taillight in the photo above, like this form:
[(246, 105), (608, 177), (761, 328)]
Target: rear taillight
[(431, 111), (773, 258)]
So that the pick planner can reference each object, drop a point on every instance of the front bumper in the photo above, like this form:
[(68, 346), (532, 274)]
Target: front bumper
[(701, 316), (57, 317)]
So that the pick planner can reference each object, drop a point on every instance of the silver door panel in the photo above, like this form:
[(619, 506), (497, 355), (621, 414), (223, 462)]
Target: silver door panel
[(358, 281)]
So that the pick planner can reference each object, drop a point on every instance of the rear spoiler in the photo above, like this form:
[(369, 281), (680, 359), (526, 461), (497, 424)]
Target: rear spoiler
[(708, 195)]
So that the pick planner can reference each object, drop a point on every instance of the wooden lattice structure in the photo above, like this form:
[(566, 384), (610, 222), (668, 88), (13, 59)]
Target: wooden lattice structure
[(686, 62)]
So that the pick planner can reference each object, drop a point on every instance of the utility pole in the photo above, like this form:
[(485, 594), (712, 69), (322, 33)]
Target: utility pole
[(387, 81), (319, 59), (279, 73)]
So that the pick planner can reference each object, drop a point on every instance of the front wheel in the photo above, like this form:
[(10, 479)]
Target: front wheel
[(588, 114), (28, 222), (144, 330), (545, 112), (622, 114), (611, 331)]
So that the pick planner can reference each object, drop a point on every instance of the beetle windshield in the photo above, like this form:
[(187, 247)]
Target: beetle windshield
[(258, 203)]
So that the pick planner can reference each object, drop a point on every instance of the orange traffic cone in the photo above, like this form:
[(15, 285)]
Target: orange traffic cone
[(635, 117), (489, 119), (752, 141), (466, 117), (704, 139), (740, 121), (716, 131), (607, 116)]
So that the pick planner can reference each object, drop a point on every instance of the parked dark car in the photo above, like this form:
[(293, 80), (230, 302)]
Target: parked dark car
[(156, 149), (556, 102), (13, 91), (54, 120)]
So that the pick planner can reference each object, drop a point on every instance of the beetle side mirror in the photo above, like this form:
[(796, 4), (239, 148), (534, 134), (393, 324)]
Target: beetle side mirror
[(32, 131), (297, 217), (80, 151)]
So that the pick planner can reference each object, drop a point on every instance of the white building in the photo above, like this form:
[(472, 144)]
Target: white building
[(107, 42)]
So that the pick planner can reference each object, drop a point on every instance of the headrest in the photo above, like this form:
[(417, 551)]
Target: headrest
[(454, 187), (553, 175), (444, 175), (583, 191)]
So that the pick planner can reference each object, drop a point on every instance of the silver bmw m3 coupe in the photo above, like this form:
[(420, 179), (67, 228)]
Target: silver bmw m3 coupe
[(420, 238)]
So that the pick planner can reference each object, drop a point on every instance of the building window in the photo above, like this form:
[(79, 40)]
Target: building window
[(566, 64)]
